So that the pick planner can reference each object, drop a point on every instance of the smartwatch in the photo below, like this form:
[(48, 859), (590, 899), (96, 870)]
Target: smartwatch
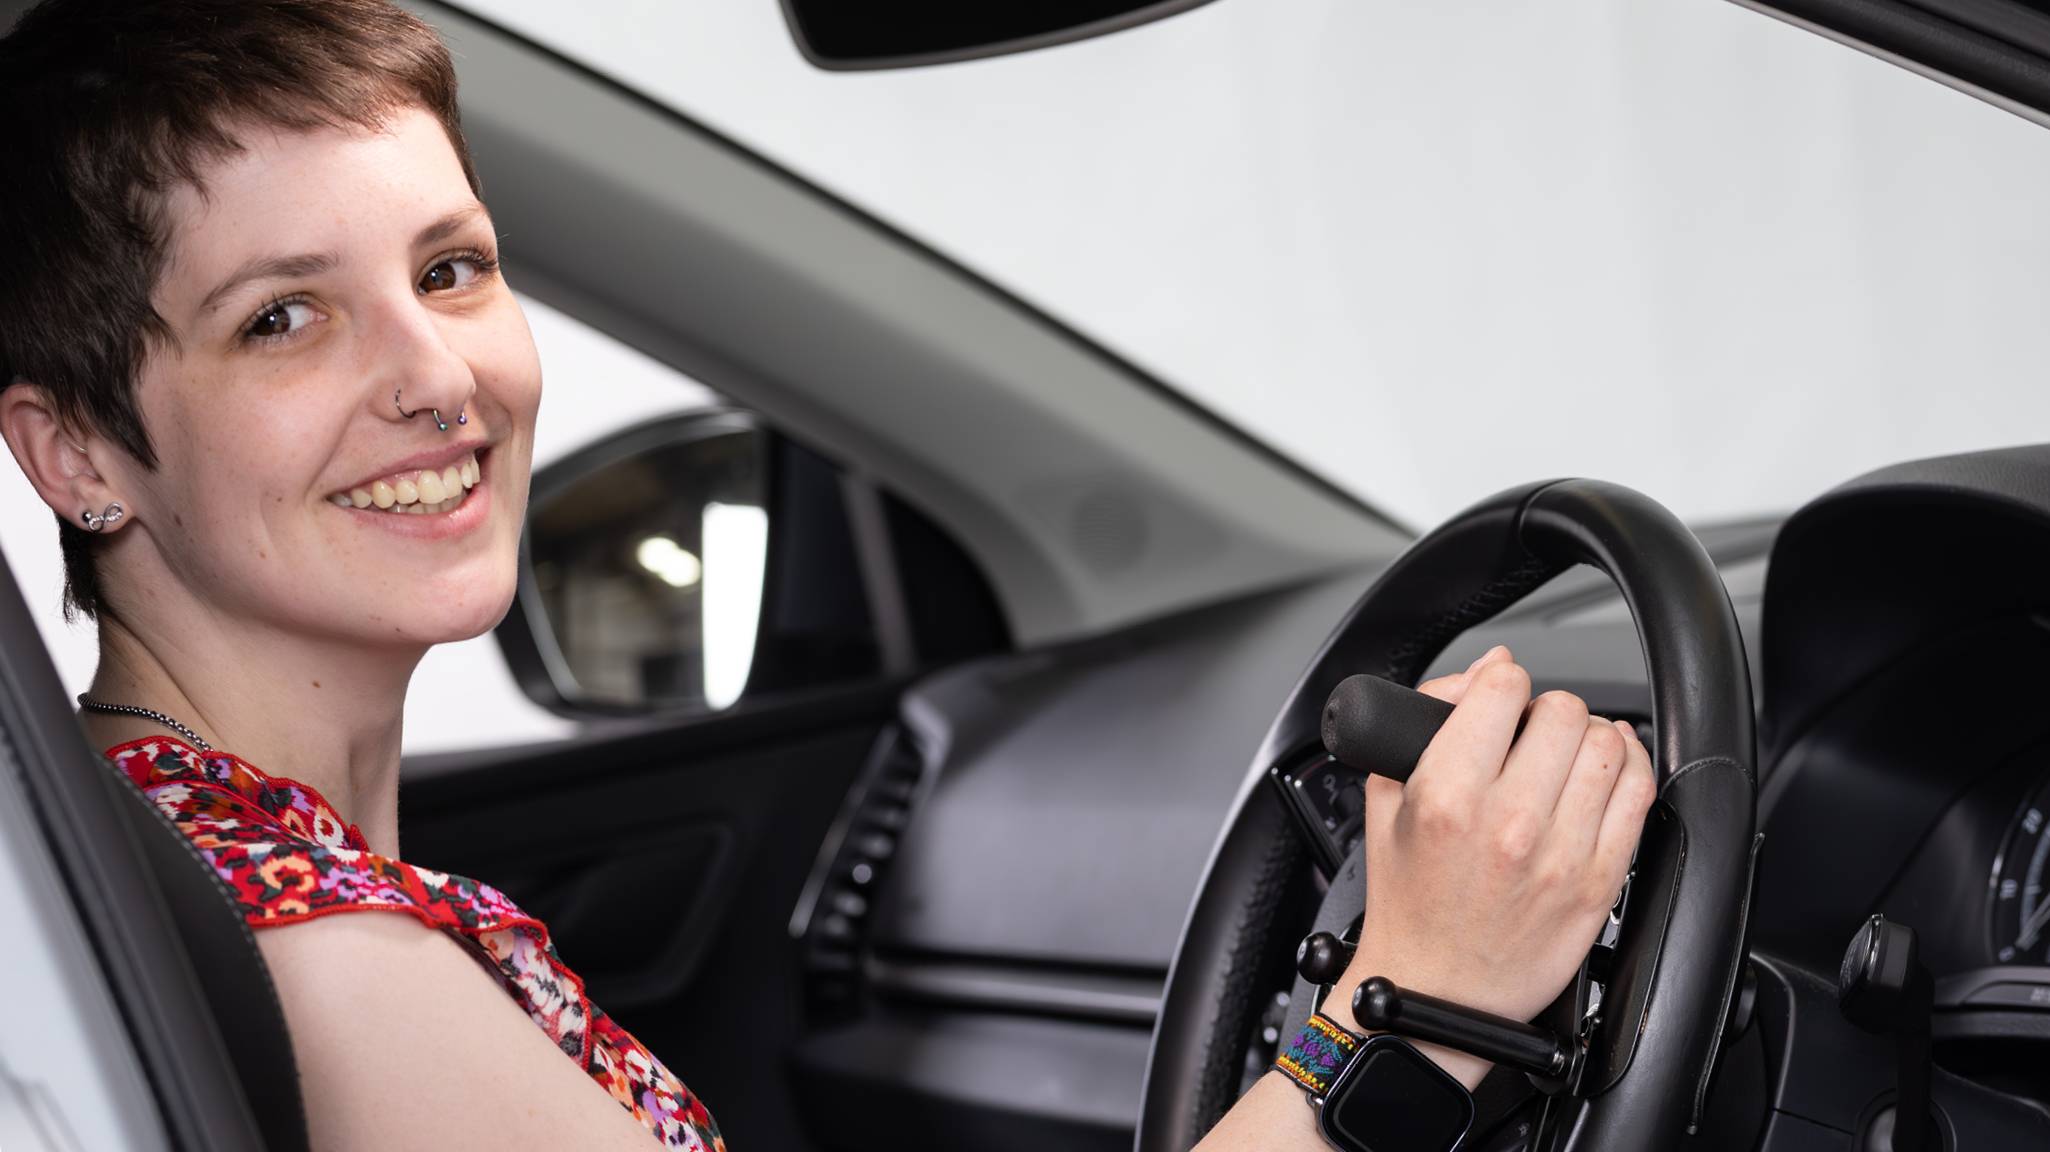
[(1376, 1094)]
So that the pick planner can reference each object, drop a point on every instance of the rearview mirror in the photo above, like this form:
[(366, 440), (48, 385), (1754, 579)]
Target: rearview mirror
[(846, 35)]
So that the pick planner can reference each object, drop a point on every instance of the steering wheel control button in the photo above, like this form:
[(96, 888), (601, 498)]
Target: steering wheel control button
[(1322, 958), (1328, 801)]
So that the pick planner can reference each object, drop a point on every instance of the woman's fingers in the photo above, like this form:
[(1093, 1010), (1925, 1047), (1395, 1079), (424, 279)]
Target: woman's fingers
[(1545, 754), (1467, 753), (1597, 765), (1452, 689), (1629, 802)]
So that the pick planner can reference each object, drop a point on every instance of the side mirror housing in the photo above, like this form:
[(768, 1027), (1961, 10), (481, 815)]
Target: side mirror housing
[(645, 564), (849, 35)]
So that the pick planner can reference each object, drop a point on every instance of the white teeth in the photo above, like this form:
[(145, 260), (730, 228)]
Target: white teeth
[(419, 494)]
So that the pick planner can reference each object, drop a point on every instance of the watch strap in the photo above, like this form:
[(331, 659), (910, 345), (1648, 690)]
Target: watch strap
[(1317, 1054)]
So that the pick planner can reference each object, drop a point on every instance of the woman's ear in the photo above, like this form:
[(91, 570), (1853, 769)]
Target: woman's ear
[(54, 458)]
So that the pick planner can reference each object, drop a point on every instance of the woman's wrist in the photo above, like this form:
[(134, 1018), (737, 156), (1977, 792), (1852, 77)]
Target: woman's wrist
[(1465, 1068)]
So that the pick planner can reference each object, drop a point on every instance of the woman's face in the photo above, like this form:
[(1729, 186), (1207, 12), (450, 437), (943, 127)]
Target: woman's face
[(320, 273)]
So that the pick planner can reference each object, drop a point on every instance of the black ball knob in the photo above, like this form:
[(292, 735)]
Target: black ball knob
[(1322, 958), (1376, 1003)]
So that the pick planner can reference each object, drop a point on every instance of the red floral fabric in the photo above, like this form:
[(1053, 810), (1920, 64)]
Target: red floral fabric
[(287, 856)]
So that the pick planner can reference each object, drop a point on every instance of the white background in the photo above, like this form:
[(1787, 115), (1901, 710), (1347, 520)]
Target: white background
[(1431, 249), (1440, 248)]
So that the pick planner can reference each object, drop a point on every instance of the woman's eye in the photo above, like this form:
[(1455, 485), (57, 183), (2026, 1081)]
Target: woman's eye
[(280, 319), (453, 272)]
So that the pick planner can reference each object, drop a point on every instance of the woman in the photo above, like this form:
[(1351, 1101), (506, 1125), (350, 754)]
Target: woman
[(260, 360)]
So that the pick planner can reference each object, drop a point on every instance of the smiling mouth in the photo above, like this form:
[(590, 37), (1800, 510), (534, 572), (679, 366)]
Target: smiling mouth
[(419, 492)]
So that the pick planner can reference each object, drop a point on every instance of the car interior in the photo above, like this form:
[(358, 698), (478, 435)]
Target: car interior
[(1011, 838)]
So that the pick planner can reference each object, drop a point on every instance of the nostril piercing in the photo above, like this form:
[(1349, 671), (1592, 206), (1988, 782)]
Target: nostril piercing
[(439, 423)]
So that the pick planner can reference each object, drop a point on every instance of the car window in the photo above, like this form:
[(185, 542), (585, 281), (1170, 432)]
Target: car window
[(1430, 254)]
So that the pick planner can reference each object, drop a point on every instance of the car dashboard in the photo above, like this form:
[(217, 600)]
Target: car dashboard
[(989, 928)]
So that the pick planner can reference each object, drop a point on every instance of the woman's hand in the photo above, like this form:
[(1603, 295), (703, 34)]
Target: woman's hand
[(1490, 871)]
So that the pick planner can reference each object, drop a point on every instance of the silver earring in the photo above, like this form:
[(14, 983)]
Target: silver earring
[(96, 522)]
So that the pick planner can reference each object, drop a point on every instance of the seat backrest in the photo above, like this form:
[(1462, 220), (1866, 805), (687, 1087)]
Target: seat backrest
[(178, 958)]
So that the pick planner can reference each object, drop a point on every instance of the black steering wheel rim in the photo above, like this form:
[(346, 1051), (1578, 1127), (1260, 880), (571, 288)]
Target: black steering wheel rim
[(1682, 943)]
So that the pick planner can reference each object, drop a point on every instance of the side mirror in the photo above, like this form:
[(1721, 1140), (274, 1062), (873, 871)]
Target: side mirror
[(648, 559), (845, 35)]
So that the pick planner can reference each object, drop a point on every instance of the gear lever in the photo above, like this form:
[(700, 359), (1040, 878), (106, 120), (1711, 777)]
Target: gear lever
[(1884, 989)]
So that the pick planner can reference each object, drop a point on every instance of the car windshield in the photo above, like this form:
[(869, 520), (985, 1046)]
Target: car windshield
[(1430, 253)]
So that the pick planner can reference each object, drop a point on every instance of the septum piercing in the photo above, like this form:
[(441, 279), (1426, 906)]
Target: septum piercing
[(439, 423), (95, 522)]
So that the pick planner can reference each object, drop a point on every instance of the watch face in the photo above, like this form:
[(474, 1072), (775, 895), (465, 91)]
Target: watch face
[(1391, 1098)]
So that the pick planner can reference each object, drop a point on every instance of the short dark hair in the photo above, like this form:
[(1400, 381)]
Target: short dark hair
[(107, 105)]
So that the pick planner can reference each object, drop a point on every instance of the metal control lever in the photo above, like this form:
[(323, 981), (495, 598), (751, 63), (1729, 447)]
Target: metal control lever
[(1551, 1060), (1884, 989)]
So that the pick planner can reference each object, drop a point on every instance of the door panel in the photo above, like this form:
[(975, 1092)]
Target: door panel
[(666, 862)]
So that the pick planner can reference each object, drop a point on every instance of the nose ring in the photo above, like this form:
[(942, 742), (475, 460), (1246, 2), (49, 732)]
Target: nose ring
[(439, 423), (98, 521)]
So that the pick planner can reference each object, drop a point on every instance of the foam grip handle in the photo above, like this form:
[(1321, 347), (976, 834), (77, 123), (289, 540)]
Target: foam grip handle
[(1379, 726)]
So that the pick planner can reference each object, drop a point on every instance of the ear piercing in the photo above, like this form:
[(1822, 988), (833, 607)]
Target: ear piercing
[(439, 423), (98, 521)]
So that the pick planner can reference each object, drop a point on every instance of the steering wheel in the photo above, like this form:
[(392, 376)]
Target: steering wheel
[(1680, 946)]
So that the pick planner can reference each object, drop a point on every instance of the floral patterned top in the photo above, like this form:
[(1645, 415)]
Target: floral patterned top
[(287, 856)]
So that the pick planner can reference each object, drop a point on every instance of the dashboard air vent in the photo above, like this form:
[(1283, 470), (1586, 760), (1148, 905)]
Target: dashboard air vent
[(831, 919)]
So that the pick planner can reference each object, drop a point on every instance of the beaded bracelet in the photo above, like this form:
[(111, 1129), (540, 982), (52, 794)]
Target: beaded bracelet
[(1317, 1054)]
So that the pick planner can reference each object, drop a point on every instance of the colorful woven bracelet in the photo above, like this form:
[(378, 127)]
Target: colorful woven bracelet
[(1317, 1054)]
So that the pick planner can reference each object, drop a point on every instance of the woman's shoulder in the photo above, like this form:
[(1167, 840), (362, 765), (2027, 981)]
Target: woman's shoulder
[(287, 857), (284, 851), (226, 790)]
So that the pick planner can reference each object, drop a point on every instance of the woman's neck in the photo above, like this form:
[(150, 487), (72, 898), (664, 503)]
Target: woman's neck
[(327, 715)]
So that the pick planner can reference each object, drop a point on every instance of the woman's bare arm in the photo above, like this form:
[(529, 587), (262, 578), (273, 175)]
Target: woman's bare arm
[(1489, 872), (404, 1041)]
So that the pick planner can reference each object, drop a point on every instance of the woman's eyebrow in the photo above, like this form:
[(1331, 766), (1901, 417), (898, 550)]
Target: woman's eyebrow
[(448, 225), (265, 268), (313, 263)]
